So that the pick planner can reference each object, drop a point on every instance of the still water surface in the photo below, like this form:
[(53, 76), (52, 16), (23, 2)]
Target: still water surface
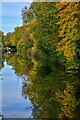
[(14, 104), (38, 89)]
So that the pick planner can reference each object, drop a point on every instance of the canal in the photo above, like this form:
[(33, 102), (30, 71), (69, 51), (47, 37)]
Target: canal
[(14, 105), (31, 89)]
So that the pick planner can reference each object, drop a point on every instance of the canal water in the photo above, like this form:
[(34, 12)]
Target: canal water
[(31, 88), (14, 104)]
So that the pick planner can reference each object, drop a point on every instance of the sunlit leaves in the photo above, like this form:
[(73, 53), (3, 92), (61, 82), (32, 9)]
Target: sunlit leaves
[(68, 21)]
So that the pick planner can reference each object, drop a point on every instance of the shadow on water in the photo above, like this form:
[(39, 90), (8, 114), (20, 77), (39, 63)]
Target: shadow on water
[(77, 95), (53, 92)]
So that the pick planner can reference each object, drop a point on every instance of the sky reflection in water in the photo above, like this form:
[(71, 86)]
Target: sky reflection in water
[(14, 105)]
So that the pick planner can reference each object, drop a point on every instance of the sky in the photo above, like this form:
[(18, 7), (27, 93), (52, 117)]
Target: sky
[(15, 0), (11, 15)]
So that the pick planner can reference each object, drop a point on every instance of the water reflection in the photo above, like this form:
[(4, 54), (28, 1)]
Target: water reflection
[(14, 105), (0, 83), (49, 90)]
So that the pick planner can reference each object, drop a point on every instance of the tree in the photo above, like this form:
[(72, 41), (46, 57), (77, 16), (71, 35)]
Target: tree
[(69, 31), (7, 41)]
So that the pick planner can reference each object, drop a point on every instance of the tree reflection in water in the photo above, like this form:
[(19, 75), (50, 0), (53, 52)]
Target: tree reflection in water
[(53, 92)]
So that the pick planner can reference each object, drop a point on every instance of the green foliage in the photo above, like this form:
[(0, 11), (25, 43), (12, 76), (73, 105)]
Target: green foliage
[(51, 92), (7, 41), (52, 29), (1, 38), (51, 35), (68, 21), (27, 15)]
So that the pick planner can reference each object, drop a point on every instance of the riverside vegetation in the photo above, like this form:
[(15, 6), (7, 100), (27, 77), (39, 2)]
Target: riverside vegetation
[(48, 52)]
